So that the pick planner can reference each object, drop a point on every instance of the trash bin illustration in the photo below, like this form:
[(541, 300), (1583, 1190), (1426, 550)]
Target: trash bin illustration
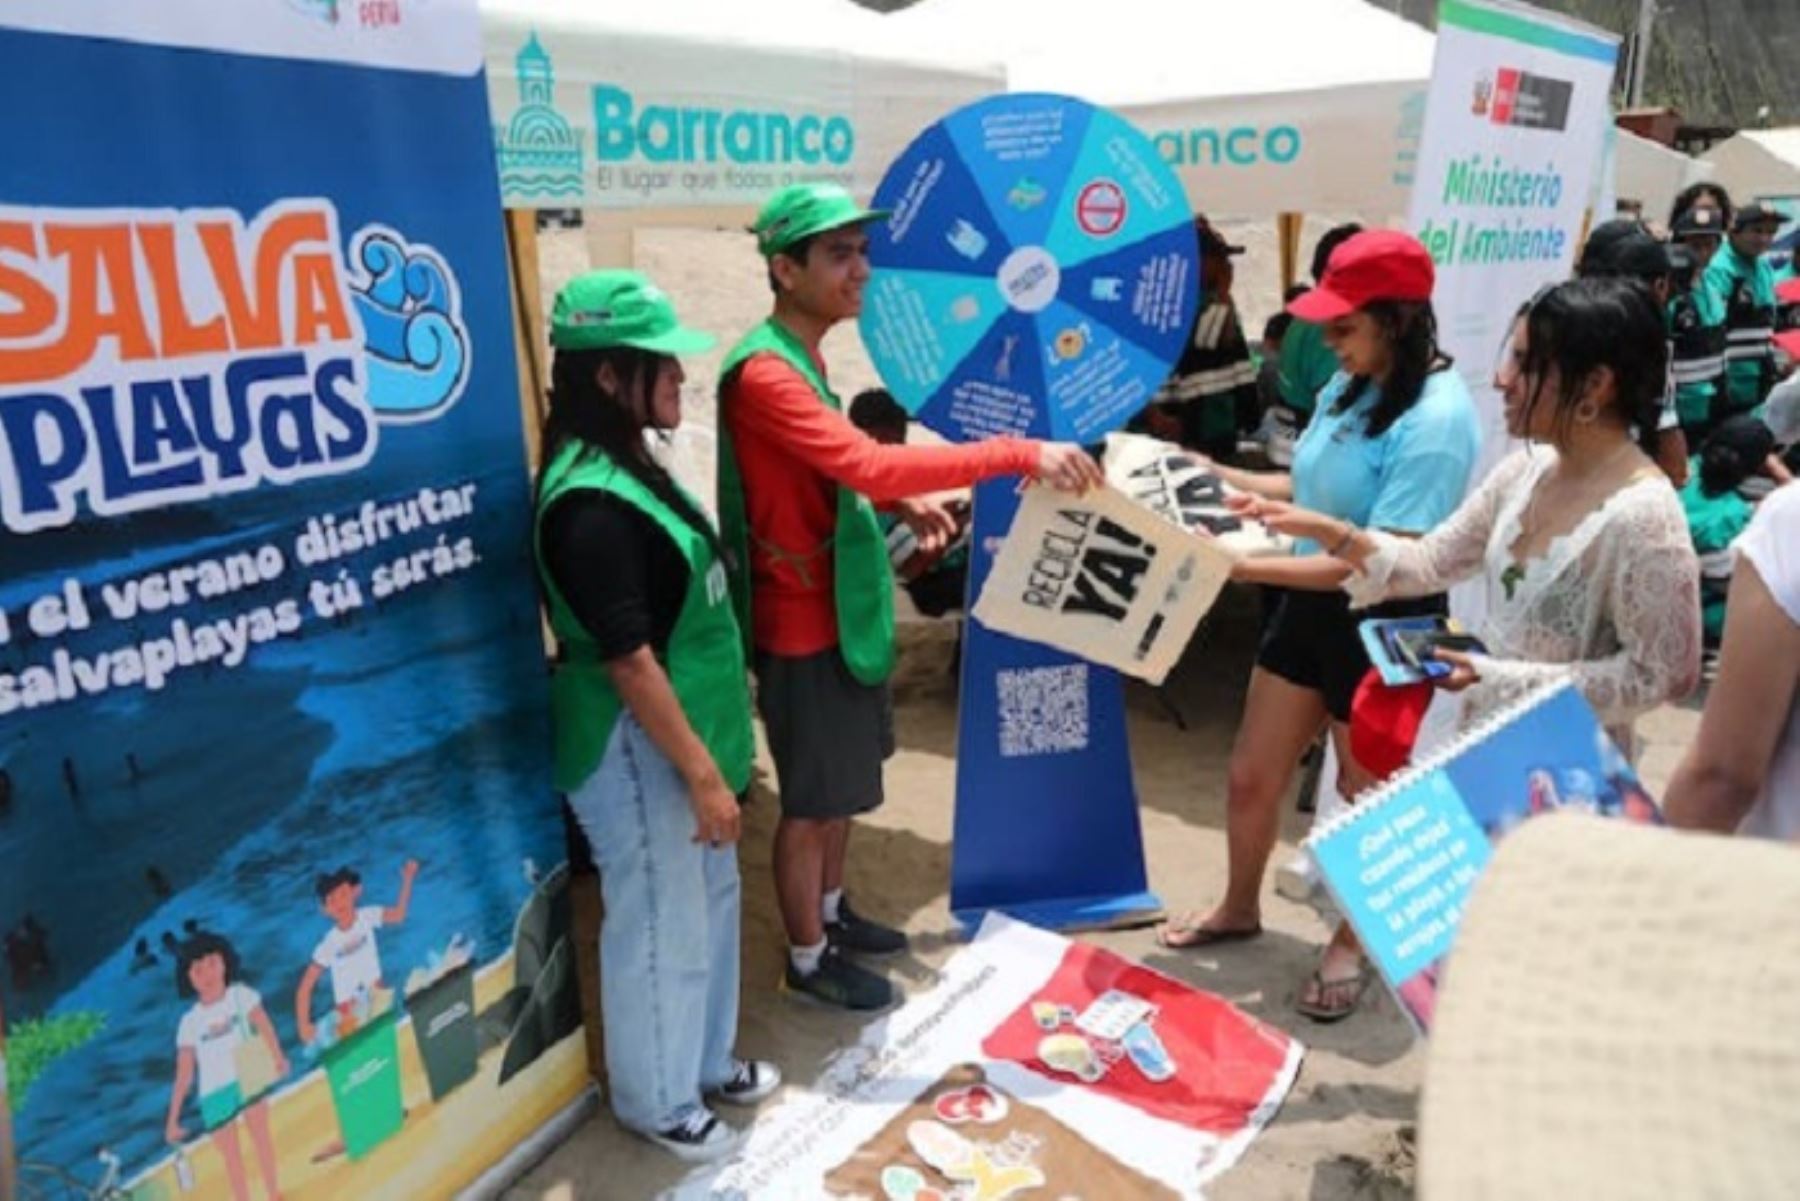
[(364, 1072), (443, 1022)]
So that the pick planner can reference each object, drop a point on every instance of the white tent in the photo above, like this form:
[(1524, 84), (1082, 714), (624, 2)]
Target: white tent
[(1285, 106), (1312, 106), (1282, 106), (1649, 175), (1761, 165)]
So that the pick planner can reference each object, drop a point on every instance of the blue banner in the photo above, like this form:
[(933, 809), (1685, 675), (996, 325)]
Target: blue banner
[(283, 895)]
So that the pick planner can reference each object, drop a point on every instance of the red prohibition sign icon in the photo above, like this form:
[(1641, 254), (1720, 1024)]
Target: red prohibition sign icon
[(1100, 209)]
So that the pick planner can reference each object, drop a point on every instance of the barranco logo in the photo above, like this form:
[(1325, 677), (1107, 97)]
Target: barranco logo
[(1239, 146), (663, 133)]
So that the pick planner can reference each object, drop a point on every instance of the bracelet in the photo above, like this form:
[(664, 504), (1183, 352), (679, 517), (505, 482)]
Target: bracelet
[(1345, 541)]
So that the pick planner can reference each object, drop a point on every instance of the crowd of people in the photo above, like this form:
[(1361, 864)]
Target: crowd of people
[(1641, 394)]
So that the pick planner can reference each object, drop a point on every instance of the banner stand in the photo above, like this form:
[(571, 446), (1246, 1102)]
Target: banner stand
[(1047, 828)]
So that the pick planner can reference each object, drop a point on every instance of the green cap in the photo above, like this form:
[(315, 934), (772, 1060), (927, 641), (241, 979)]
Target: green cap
[(602, 310), (804, 209)]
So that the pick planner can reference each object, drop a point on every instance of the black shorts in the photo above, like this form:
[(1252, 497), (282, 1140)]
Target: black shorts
[(1311, 641), (829, 734)]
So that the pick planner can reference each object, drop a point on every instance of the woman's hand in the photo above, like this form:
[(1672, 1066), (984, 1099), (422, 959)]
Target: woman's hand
[(717, 818), (1462, 670), (174, 1134), (1284, 517)]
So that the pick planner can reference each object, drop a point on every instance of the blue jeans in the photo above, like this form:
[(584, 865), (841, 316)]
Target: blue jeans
[(669, 939)]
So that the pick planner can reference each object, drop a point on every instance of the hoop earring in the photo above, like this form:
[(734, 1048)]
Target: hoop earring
[(1587, 412)]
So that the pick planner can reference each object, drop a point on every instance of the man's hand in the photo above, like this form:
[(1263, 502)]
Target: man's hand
[(1067, 467), (717, 818), (930, 521)]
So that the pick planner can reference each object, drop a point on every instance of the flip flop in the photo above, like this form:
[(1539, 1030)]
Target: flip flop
[(1356, 985), (1184, 934)]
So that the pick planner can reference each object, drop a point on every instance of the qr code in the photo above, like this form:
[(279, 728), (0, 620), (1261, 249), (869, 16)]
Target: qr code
[(1043, 710)]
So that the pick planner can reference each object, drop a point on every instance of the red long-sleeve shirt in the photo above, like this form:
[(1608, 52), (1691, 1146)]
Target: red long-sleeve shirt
[(792, 452)]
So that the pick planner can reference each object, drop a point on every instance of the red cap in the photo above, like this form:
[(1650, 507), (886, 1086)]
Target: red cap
[(1385, 723), (1377, 264), (1788, 342), (1788, 291)]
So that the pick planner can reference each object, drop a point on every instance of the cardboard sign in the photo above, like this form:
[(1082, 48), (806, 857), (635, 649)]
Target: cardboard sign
[(1179, 487), (1103, 578)]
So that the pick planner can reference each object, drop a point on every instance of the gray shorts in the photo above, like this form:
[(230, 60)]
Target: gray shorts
[(828, 733)]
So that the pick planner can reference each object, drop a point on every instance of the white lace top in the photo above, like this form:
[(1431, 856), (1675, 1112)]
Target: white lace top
[(1613, 604)]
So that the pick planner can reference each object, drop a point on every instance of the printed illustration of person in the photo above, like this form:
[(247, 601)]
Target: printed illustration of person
[(227, 1041), (348, 950)]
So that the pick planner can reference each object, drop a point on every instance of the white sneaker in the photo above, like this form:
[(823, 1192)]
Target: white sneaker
[(698, 1136), (1297, 879), (751, 1081)]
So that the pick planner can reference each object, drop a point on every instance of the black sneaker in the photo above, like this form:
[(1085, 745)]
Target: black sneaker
[(698, 1136), (856, 933), (839, 983), (751, 1081)]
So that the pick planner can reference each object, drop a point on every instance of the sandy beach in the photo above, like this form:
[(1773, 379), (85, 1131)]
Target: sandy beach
[(1344, 1133)]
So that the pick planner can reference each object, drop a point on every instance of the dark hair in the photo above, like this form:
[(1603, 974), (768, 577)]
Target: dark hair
[(1410, 327), (876, 409), (1276, 327), (197, 947), (1583, 325), (1329, 241), (582, 411), (1625, 247), (1684, 201), (1733, 453), (1295, 292), (326, 883), (799, 250)]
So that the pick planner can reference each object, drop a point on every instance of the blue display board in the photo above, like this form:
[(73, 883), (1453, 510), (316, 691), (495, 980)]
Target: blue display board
[(1038, 277)]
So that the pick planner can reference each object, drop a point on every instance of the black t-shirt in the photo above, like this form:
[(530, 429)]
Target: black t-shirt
[(618, 570)]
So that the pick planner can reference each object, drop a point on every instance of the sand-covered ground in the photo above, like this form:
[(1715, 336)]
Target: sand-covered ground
[(1344, 1134)]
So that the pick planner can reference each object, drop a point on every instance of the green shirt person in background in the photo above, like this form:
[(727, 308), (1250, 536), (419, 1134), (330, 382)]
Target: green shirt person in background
[(1307, 362), (1717, 513), (1740, 281), (1696, 322)]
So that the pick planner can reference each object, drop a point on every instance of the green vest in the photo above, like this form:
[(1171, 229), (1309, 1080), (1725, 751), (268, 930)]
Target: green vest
[(1697, 353), (1745, 291), (863, 580), (1714, 523), (705, 658)]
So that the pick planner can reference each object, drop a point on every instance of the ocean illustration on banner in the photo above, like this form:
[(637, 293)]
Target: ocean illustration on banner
[(285, 901)]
